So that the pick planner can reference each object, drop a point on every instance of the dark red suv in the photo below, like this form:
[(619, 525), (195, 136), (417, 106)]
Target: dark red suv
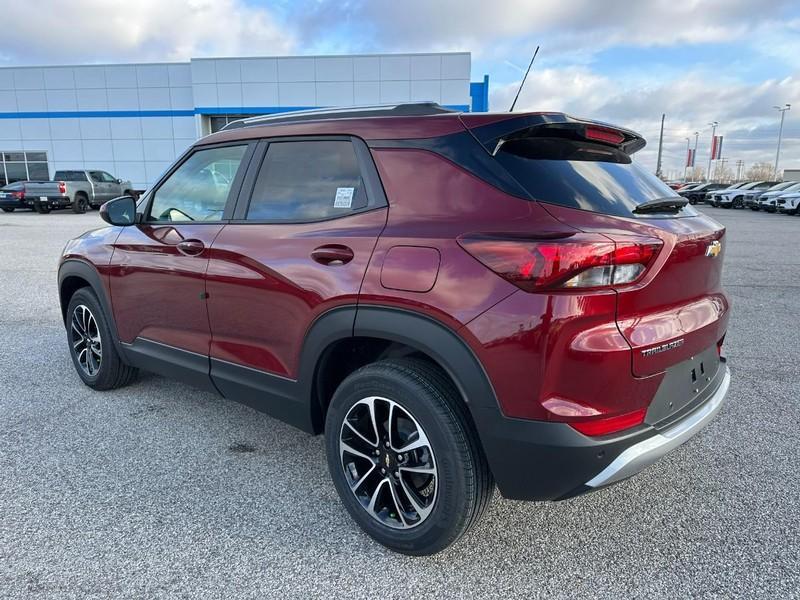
[(454, 300)]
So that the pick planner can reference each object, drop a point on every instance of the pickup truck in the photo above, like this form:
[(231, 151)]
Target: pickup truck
[(77, 189)]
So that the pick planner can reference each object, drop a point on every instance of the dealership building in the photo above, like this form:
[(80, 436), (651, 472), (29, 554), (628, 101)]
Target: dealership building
[(133, 120)]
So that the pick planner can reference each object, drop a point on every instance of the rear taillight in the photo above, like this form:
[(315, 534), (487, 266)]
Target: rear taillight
[(609, 425), (17, 195), (581, 261), (62, 187)]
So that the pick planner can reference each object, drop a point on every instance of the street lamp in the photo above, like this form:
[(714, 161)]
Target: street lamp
[(711, 148), (782, 110)]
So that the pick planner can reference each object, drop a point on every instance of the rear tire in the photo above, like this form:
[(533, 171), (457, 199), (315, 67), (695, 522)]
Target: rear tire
[(91, 344), (80, 204), (8, 209), (412, 512)]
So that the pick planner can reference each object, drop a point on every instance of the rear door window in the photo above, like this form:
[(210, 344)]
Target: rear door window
[(582, 175), (308, 181)]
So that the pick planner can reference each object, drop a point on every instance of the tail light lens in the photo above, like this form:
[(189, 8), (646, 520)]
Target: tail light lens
[(589, 421), (17, 195), (610, 425), (604, 134), (581, 261), (62, 187)]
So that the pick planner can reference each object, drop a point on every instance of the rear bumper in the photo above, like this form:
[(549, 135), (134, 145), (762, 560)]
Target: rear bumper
[(537, 460), (645, 453), (49, 201), (11, 203)]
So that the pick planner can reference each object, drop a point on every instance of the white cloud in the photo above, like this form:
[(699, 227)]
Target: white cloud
[(143, 30), (564, 26)]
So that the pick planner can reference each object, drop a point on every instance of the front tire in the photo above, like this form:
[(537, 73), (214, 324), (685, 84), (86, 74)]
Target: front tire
[(91, 345), (404, 456)]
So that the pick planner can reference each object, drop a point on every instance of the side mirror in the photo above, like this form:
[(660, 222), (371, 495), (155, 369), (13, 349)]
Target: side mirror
[(119, 180), (119, 211)]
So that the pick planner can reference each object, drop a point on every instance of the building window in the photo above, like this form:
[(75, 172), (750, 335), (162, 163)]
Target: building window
[(23, 166), (217, 122)]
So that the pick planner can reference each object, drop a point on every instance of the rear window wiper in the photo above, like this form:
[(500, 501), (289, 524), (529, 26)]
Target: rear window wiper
[(662, 205)]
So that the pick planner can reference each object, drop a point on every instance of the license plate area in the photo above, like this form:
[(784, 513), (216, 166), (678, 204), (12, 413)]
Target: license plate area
[(684, 384)]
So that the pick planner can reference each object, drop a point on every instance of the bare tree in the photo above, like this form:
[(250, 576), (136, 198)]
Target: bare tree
[(723, 173), (696, 174), (760, 171)]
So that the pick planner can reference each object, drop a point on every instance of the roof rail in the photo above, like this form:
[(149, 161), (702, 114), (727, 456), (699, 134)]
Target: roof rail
[(408, 109)]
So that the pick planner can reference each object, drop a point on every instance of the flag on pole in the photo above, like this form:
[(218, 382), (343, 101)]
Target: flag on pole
[(690, 158), (716, 147)]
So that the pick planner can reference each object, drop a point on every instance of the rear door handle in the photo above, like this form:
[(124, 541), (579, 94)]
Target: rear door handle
[(332, 255), (191, 247)]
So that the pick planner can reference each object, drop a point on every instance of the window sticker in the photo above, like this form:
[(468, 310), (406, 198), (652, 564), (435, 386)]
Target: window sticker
[(344, 197)]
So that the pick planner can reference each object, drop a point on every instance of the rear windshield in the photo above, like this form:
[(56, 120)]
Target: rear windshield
[(579, 175), (70, 176)]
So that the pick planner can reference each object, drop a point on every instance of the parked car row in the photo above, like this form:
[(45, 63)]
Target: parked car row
[(770, 196), (79, 190)]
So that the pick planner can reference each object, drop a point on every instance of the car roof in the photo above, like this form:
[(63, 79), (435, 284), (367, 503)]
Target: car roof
[(418, 120)]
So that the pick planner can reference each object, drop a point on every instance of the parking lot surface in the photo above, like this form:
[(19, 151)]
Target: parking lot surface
[(158, 490)]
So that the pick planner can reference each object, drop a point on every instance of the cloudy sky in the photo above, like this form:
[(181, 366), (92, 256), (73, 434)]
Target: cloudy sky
[(620, 61)]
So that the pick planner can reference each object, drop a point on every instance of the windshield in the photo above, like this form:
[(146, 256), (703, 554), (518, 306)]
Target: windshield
[(590, 177), (792, 187)]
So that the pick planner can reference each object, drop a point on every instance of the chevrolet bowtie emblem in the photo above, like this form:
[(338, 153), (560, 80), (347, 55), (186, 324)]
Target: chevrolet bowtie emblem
[(713, 249)]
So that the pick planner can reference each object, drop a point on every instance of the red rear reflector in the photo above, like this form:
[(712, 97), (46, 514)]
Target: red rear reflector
[(62, 187), (602, 134), (609, 425), (580, 261)]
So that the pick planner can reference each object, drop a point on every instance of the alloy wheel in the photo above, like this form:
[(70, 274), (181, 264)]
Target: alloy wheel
[(388, 462), (86, 342)]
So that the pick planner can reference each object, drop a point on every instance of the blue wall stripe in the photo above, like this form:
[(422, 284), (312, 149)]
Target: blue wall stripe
[(200, 110)]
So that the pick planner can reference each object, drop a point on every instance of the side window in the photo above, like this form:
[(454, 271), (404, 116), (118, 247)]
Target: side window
[(308, 181), (107, 178), (199, 188), (96, 176)]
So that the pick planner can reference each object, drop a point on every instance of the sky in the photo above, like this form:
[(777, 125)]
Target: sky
[(621, 61)]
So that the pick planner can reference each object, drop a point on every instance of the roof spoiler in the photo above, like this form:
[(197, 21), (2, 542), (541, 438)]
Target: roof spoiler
[(492, 131)]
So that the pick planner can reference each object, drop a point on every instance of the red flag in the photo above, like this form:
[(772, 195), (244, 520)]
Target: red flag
[(690, 158), (716, 147)]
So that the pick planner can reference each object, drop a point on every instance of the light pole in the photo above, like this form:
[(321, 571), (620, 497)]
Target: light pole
[(782, 110), (694, 154), (711, 148)]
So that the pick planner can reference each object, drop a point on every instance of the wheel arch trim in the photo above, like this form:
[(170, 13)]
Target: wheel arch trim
[(404, 326), (81, 269)]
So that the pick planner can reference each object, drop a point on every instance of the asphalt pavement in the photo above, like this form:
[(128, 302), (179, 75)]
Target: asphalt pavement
[(159, 490)]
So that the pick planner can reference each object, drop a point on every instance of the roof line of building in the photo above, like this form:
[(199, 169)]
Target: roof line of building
[(203, 58)]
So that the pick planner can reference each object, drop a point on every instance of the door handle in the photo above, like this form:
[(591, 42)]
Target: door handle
[(332, 255), (191, 247)]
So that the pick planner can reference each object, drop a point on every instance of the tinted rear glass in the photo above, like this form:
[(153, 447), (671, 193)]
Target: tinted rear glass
[(70, 176), (579, 175)]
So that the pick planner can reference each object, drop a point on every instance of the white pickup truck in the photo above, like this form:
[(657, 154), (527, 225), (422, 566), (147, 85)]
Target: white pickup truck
[(76, 189)]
